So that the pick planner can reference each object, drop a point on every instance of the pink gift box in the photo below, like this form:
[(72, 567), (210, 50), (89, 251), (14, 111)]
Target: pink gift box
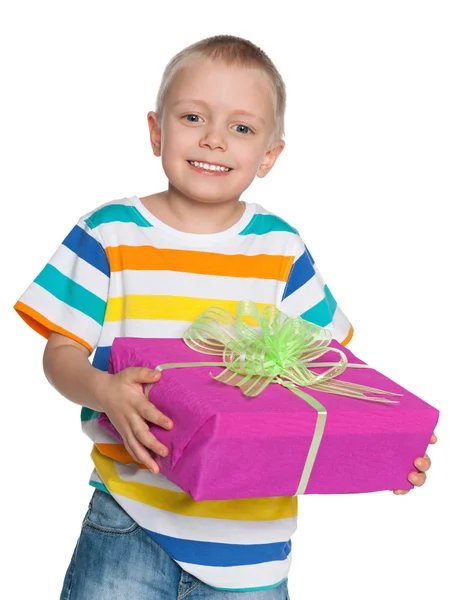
[(225, 445)]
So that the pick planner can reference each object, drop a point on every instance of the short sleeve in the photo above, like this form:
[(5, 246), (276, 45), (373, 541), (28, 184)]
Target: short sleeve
[(69, 295), (307, 295)]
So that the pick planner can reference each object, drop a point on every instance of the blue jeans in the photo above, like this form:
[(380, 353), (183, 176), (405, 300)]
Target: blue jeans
[(114, 559)]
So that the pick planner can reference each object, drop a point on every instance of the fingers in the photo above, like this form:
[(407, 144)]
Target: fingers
[(143, 375), (140, 431), (433, 439), (423, 464), (417, 479), (150, 413), (147, 439), (140, 454)]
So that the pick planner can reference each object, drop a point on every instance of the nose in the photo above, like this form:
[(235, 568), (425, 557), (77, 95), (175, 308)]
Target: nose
[(213, 138)]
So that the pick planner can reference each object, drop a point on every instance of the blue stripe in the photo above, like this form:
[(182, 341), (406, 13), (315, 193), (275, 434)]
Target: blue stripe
[(100, 360), (221, 555), (88, 248), (261, 224), (301, 272)]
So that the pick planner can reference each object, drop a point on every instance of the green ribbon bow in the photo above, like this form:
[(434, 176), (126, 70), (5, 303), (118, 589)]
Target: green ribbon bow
[(281, 350)]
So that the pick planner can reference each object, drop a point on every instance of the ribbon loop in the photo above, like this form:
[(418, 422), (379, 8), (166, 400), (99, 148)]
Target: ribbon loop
[(278, 349)]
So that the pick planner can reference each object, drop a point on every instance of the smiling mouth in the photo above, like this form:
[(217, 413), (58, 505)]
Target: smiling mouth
[(209, 166)]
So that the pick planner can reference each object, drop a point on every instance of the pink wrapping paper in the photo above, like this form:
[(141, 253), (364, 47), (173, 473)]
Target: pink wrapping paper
[(225, 445)]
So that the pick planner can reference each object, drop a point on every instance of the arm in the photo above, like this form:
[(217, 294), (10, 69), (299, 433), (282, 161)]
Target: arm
[(69, 371), (120, 396)]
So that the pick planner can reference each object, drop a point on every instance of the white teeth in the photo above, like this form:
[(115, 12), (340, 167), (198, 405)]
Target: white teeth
[(207, 166)]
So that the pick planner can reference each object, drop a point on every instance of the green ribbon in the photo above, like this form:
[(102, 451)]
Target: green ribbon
[(280, 350)]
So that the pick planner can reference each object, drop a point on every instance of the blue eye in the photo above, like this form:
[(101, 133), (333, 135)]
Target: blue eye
[(194, 120), (243, 129)]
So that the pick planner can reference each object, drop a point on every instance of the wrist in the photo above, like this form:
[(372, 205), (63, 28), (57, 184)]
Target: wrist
[(100, 385)]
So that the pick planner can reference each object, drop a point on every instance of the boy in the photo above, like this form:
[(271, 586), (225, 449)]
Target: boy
[(147, 267)]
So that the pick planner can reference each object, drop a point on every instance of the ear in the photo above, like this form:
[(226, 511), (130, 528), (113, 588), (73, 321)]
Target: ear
[(155, 133), (270, 158)]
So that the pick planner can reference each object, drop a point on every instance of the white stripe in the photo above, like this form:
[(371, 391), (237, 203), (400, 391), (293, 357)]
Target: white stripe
[(141, 329), (96, 433), (144, 476), (274, 243), (304, 298), (194, 285), (299, 302), (221, 531), (95, 477), (80, 271), (340, 326), (61, 314), (241, 577)]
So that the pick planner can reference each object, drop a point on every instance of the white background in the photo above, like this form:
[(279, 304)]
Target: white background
[(364, 177)]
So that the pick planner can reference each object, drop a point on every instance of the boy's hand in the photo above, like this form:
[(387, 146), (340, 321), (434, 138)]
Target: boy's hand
[(127, 407), (423, 464)]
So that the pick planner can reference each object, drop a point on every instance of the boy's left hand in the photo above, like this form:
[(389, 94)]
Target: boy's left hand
[(423, 464)]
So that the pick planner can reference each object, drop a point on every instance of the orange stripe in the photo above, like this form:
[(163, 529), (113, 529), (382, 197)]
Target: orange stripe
[(43, 326), (119, 453), (349, 337), (148, 258)]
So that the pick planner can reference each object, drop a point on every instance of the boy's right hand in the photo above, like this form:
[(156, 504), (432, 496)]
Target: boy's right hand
[(128, 409)]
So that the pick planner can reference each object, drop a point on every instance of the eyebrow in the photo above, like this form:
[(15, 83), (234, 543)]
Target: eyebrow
[(235, 112)]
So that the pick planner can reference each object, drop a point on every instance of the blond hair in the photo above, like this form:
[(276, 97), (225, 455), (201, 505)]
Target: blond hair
[(231, 50)]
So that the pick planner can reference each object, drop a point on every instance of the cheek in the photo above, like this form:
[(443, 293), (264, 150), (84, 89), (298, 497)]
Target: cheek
[(249, 159), (179, 139)]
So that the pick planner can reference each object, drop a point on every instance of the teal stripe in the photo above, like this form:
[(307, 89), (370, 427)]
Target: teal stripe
[(261, 224), (254, 589), (72, 293), (99, 486), (117, 212), (330, 299), (88, 414), (322, 313)]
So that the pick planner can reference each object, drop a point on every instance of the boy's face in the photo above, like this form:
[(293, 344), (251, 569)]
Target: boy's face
[(216, 115)]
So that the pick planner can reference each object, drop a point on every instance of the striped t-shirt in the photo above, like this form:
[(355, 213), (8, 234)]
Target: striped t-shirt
[(122, 272)]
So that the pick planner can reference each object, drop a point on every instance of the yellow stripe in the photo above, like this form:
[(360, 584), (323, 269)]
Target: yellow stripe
[(248, 509), (166, 308)]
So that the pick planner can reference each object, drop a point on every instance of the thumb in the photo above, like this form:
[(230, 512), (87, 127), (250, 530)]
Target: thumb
[(144, 375)]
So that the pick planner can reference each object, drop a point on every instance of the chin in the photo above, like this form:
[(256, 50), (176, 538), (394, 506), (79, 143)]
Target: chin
[(210, 199), (206, 196)]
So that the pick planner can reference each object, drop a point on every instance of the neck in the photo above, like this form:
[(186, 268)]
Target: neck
[(191, 216)]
